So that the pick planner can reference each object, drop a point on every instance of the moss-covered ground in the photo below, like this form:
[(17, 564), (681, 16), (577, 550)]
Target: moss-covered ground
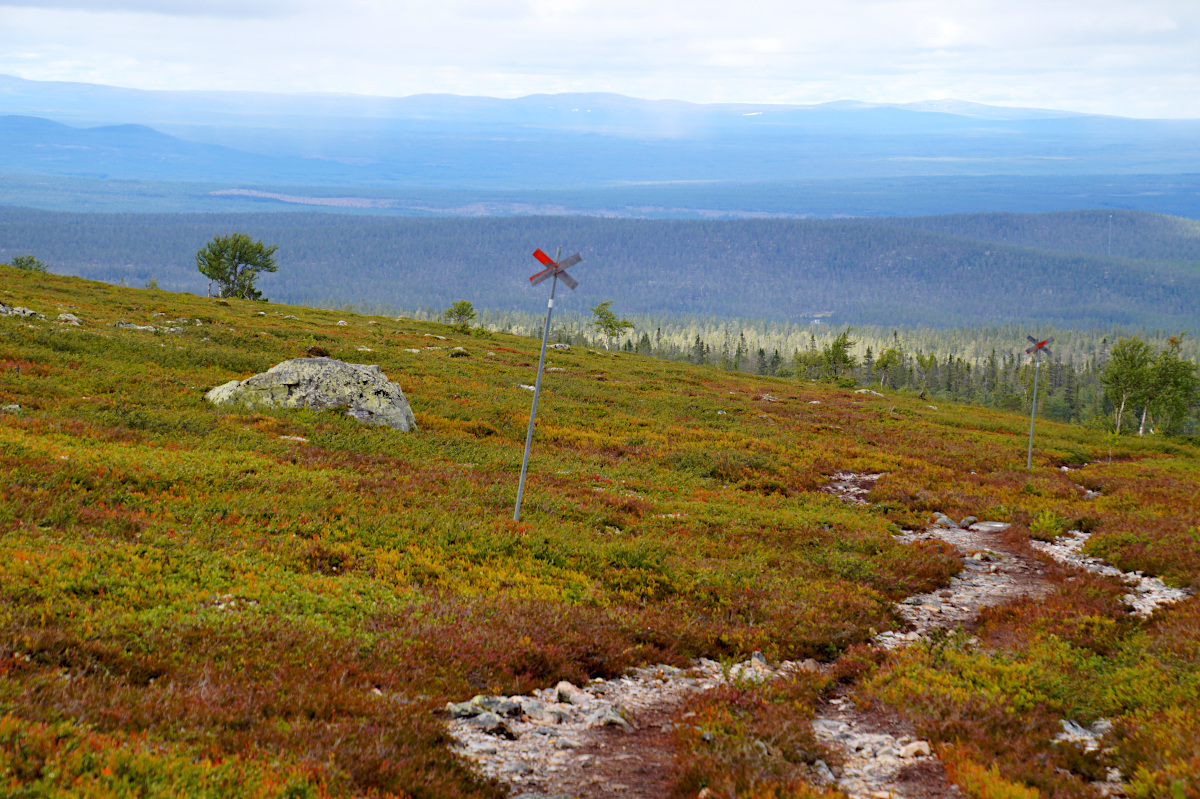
[(225, 602)]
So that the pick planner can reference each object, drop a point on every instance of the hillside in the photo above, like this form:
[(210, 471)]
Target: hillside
[(939, 272), (224, 602)]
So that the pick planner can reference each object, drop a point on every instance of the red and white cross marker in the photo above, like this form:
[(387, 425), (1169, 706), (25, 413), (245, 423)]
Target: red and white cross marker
[(556, 269), (1038, 348)]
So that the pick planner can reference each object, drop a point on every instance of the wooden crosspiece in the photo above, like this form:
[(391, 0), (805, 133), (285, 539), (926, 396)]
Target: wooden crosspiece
[(556, 270)]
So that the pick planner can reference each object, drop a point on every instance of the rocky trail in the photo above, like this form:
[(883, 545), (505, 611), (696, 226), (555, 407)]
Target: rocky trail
[(613, 737)]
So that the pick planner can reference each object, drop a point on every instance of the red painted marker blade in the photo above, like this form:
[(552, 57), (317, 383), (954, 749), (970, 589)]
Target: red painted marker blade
[(542, 275), (545, 259)]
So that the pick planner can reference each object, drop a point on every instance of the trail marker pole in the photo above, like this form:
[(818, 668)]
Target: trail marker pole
[(556, 269), (1036, 350)]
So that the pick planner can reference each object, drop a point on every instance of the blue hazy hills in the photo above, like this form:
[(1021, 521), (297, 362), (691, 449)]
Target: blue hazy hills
[(74, 146)]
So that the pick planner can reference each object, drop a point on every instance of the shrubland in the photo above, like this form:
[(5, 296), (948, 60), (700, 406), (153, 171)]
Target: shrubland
[(210, 601)]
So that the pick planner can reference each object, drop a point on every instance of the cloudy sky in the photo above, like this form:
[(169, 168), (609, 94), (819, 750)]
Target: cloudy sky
[(1126, 57)]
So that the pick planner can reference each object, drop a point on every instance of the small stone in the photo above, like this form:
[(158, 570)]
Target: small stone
[(562, 347), (967, 521), (569, 694), (341, 323), (531, 707), (990, 527), (13, 408), (493, 725), (608, 716), (463, 710), (915, 749), (70, 319)]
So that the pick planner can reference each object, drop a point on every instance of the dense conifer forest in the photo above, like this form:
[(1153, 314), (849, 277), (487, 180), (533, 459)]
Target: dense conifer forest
[(938, 272)]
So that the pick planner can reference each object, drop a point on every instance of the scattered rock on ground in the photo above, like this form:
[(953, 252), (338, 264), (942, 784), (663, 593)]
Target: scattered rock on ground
[(872, 760), (561, 740), (69, 319), (321, 384), (1148, 592), (851, 486), (21, 311)]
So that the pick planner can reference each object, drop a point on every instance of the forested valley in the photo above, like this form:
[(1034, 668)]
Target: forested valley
[(1071, 269), (946, 302)]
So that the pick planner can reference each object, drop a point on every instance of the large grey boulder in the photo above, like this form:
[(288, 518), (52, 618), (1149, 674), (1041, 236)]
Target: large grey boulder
[(322, 383)]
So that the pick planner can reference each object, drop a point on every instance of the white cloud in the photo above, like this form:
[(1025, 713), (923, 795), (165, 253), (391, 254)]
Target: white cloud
[(1132, 57), (237, 9)]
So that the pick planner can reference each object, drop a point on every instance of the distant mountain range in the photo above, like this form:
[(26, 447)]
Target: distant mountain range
[(660, 154)]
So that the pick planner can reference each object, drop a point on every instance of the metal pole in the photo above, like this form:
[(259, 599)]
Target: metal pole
[(1037, 361), (537, 389)]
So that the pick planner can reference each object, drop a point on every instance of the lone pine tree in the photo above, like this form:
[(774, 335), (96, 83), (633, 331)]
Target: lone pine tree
[(233, 263)]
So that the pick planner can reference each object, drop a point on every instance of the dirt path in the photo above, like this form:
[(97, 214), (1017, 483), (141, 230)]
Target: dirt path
[(609, 737), (881, 755), (612, 737)]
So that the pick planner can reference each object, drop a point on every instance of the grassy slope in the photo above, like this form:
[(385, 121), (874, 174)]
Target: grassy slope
[(193, 602)]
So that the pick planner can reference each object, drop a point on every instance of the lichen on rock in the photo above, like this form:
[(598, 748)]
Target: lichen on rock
[(322, 384)]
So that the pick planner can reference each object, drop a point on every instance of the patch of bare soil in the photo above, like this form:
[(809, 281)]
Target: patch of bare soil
[(632, 763)]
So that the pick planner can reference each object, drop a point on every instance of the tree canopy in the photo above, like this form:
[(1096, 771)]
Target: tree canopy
[(1161, 384), (606, 323), (28, 263), (460, 314), (233, 263)]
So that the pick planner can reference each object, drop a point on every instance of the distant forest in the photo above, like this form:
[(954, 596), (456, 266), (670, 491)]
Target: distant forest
[(1083, 269), (978, 365)]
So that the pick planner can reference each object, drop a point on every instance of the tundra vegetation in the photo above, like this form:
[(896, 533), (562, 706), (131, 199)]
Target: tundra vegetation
[(204, 601)]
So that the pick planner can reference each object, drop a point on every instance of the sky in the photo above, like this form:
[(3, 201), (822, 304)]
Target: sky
[(1138, 58)]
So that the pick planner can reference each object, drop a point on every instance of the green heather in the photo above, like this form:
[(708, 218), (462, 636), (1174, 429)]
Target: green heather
[(212, 602)]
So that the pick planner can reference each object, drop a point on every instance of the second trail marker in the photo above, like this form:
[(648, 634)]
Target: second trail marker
[(556, 269)]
